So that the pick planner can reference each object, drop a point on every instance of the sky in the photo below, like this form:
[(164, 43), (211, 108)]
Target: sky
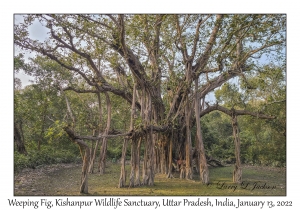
[(37, 32), (155, 6)]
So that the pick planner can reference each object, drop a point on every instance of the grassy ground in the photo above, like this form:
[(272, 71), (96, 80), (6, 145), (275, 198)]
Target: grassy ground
[(65, 179)]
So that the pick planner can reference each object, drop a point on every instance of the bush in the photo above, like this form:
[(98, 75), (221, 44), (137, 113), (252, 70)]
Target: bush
[(45, 156)]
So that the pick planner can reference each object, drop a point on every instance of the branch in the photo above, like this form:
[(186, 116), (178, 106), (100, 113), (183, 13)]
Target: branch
[(259, 49), (52, 57), (158, 23), (110, 134), (74, 49), (133, 62), (95, 21), (203, 59), (234, 111), (122, 33), (91, 33), (113, 133), (114, 20), (200, 22), (80, 90), (217, 82), (183, 47), (68, 106)]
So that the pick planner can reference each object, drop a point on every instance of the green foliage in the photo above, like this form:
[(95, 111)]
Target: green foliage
[(230, 96), (217, 133), (47, 155), (262, 143), (114, 149)]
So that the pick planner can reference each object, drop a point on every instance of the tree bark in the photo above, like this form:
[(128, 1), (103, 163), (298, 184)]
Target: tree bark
[(91, 167), (149, 174), (85, 166), (170, 158), (133, 162), (102, 161), (133, 144), (18, 140), (93, 157), (188, 142), (137, 168), (237, 173), (163, 157), (122, 180), (204, 173), (149, 157), (158, 156)]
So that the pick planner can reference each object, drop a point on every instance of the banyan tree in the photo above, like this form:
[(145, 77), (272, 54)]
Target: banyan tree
[(165, 68)]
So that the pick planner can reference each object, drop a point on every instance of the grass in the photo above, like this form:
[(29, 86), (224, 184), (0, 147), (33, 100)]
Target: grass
[(65, 181)]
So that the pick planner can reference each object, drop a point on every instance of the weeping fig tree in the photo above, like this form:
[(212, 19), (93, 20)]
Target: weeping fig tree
[(166, 67)]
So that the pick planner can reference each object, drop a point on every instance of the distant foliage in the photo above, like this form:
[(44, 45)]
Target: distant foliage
[(46, 156), (261, 142)]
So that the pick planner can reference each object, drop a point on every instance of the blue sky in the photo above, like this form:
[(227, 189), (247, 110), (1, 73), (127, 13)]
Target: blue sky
[(37, 32)]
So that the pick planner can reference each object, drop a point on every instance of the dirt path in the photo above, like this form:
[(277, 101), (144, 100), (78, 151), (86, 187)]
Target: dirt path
[(35, 181)]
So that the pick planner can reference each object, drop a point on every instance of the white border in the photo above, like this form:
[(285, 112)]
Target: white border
[(154, 6)]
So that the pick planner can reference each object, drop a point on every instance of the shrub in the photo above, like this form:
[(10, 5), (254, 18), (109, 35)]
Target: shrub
[(45, 156)]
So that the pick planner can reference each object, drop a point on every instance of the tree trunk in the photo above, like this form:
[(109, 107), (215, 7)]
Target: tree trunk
[(163, 160), (102, 161), (122, 180), (204, 173), (91, 153), (85, 154), (93, 157), (134, 179), (137, 168), (181, 152), (196, 156), (157, 152), (133, 162), (85, 167), (182, 169), (91, 168), (237, 173), (145, 177), (170, 158), (148, 167), (18, 140), (188, 143), (151, 171), (149, 157)]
